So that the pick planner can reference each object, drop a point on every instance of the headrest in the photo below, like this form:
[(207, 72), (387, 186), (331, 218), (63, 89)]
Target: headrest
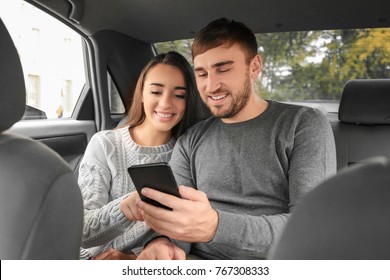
[(366, 102), (345, 216), (12, 88)]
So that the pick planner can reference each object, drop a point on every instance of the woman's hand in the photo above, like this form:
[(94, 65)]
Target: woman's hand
[(162, 249), (112, 254), (130, 209)]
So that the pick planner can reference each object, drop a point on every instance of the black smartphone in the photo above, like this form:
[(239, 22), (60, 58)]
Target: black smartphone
[(156, 176)]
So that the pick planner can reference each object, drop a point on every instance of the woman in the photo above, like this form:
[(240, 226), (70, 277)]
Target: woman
[(161, 110)]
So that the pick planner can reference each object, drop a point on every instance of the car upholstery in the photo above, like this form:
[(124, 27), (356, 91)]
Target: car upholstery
[(345, 217), (40, 203), (363, 128)]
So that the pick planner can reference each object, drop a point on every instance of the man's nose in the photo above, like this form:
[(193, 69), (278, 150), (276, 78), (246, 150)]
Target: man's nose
[(212, 83)]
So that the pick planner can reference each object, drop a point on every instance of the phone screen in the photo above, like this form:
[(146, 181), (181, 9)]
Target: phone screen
[(156, 176)]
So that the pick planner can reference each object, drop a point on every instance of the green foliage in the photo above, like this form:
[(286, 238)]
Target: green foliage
[(313, 65), (317, 64), (181, 46)]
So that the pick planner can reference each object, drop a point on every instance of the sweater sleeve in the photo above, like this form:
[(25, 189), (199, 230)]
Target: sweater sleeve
[(180, 164), (313, 157), (103, 220)]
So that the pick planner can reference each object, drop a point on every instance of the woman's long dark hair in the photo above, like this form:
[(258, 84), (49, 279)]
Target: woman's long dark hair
[(136, 114)]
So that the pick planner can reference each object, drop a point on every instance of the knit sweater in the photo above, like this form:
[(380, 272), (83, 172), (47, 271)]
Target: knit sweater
[(105, 182), (254, 173)]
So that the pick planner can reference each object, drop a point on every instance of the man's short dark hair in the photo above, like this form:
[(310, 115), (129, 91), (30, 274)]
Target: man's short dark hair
[(225, 32)]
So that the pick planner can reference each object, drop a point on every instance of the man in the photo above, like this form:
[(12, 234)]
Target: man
[(243, 170)]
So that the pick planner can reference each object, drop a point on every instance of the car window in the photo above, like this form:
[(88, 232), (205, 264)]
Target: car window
[(116, 103), (313, 66), (52, 59)]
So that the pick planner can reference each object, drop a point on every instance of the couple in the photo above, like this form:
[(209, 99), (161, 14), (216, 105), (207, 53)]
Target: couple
[(240, 172)]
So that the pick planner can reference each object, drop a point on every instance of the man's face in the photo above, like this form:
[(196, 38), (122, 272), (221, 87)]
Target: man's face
[(224, 80)]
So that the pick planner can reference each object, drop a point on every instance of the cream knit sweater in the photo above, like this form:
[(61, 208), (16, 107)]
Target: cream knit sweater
[(105, 182)]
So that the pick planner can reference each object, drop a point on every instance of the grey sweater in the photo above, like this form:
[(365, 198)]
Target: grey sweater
[(254, 173), (105, 182)]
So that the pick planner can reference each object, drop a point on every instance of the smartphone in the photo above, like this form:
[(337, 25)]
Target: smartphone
[(156, 176)]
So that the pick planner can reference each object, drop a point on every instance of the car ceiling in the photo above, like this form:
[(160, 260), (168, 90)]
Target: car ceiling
[(164, 20)]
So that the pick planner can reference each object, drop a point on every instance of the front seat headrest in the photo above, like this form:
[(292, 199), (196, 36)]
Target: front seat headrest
[(346, 217), (12, 91), (366, 102)]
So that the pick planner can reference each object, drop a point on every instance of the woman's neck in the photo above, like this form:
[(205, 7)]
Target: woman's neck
[(144, 136)]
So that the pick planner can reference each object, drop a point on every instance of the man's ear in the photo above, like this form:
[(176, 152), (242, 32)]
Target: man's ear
[(256, 67)]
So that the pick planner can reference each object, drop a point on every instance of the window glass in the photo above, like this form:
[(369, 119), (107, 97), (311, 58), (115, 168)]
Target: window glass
[(116, 103), (51, 56), (313, 66)]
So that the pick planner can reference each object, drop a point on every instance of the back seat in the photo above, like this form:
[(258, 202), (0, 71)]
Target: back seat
[(363, 126)]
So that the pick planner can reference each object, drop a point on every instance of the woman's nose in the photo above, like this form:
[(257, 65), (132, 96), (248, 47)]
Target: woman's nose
[(165, 101)]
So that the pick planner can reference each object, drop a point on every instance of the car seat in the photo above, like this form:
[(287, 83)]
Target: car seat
[(345, 217), (363, 128), (41, 209)]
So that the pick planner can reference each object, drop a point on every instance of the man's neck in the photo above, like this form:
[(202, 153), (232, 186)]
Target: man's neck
[(254, 107)]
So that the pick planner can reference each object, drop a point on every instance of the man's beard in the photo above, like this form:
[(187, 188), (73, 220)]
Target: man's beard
[(238, 102)]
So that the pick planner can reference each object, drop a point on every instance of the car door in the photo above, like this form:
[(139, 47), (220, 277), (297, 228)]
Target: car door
[(59, 107), (76, 84)]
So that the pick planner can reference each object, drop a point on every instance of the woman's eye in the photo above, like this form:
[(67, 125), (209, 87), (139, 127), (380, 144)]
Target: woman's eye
[(181, 96), (155, 92)]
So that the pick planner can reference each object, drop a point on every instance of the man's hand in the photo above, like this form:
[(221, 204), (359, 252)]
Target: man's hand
[(192, 218), (162, 249), (112, 254), (129, 208)]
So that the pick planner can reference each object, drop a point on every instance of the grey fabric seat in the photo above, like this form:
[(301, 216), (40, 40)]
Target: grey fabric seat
[(345, 217), (363, 128), (41, 209)]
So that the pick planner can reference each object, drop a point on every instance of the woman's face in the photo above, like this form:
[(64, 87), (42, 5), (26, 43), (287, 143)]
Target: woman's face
[(163, 97)]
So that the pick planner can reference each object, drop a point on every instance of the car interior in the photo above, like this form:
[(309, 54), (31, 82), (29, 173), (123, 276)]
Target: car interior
[(118, 40), (345, 215), (362, 129), (41, 204)]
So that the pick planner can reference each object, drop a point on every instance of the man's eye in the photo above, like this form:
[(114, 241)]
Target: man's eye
[(202, 74), (223, 70)]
